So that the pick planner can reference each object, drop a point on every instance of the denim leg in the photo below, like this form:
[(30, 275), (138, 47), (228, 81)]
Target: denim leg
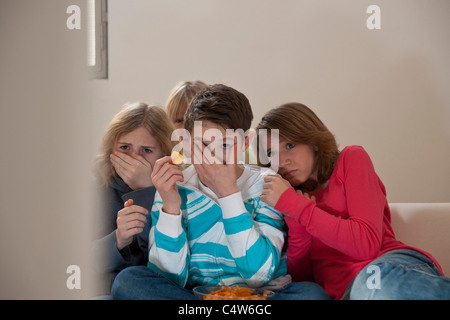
[(399, 275), (301, 291), (142, 283)]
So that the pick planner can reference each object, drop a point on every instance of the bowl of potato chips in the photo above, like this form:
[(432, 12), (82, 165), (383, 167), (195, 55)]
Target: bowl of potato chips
[(234, 292)]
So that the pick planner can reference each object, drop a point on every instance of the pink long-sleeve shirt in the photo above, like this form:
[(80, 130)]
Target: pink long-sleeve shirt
[(349, 225)]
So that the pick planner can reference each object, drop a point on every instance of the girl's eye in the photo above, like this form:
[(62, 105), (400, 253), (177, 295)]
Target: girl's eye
[(147, 150), (124, 148), (179, 120), (289, 146), (226, 146)]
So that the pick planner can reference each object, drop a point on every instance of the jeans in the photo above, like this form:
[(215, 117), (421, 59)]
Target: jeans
[(399, 275), (142, 283)]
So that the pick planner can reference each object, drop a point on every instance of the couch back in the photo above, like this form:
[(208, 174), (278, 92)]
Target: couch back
[(425, 226)]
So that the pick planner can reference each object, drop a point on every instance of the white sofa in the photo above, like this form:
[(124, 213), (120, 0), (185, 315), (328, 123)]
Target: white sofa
[(425, 226)]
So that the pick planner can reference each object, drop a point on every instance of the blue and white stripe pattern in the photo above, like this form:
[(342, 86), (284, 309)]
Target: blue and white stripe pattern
[(234, 240)]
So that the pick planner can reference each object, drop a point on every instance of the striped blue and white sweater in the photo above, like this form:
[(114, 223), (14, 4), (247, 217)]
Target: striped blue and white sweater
[(233, 240)]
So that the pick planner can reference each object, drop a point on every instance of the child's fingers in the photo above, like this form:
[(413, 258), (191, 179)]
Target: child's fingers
[(233, 156), (124, 160), (133, 209), (121, 159), (199, 154), (131, 220), (270, 177), (142, 160), (117, 163), (175, 178), (165, 172), (160, 164)]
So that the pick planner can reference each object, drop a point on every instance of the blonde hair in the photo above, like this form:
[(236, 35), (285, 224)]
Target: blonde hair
[(180, 97), (299, 124), (131, 117)]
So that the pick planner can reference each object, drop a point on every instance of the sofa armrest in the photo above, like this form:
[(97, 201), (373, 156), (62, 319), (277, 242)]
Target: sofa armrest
[(425, 226)]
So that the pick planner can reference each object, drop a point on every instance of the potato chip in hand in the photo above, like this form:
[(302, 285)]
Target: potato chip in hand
[(177, 158)]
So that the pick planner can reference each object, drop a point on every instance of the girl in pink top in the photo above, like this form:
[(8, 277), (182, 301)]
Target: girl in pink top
[(339, 221)]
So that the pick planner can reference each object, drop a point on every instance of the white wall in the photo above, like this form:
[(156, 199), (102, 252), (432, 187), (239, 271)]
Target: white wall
[(44, 173), (384, 89)]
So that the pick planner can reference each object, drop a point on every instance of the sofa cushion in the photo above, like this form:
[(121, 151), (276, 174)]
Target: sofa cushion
[(425, 226)]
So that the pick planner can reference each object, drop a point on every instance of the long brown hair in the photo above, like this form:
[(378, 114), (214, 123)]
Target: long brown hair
[(300, 125)]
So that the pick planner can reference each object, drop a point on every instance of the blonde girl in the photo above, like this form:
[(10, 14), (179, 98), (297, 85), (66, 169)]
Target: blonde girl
[(136, 137), (179, 99)]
